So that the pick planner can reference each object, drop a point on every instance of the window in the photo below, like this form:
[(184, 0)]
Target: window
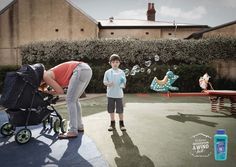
[(81, 29), (147, 33), (112, 33), (56, 30), (169, 33)]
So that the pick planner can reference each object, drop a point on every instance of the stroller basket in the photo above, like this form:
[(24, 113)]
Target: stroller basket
[(19, 117)]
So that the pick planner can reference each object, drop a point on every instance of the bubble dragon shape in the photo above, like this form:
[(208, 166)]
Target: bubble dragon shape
[(165, 84)]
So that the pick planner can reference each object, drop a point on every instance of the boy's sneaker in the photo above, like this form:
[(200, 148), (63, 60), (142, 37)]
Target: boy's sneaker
[(112, 126), (122, 126)]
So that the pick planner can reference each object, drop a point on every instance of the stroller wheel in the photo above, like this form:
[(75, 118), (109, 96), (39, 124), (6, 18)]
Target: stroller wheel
[(7, 129), (63, 126), (56, 126), (23, 136)]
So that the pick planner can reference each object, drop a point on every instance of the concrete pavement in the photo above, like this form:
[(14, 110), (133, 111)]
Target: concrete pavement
[(45, 149), (159, 134)]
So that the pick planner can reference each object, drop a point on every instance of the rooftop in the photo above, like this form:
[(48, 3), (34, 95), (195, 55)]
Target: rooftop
[(141, 23)]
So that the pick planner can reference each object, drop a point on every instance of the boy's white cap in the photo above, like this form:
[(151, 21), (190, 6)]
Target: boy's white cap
[(114, 55)]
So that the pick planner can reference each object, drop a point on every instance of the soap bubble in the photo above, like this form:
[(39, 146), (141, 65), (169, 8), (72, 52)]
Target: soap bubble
[(142, 69), (148, 63), (154, 69), (126, 71), (175, 67), (149, 71), (156, 58), (136, 68), (132, 72)]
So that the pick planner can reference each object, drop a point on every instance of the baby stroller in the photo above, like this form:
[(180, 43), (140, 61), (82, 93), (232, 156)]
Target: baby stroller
[(26, 105)]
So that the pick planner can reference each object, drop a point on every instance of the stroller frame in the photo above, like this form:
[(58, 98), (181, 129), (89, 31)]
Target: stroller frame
[(33, 114)]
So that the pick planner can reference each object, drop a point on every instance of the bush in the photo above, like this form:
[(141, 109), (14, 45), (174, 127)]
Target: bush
[(192, 57), (131, 51)]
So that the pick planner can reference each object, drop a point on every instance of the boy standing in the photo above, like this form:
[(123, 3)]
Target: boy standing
[(115, 81)]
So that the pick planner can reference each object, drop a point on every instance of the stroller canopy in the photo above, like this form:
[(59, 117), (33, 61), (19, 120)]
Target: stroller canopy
[(32, 73), (20, 87)]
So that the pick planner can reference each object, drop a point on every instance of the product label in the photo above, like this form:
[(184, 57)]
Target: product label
[(220, 146)]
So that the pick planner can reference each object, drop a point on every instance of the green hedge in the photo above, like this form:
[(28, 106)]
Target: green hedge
[(131, 51), (191, 57)]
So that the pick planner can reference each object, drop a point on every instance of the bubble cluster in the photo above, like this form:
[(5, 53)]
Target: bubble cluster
[(137, 68)]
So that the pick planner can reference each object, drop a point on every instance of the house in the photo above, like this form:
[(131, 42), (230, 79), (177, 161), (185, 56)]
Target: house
[(26, 21), (225, 30), (145, 29)]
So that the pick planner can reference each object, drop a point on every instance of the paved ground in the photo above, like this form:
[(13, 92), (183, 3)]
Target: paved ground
[(44, 149), (160, 132)]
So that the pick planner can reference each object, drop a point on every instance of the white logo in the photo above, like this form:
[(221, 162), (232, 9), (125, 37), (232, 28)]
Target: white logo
[(201, 145)]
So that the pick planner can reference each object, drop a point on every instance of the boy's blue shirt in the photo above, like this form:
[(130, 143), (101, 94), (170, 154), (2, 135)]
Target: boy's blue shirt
[(117, 77)]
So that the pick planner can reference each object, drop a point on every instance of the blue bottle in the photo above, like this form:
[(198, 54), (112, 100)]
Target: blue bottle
[(220, 145)]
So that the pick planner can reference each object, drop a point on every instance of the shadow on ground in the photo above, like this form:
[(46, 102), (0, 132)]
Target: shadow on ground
[(197, 118), (129, 154), (38, 153)]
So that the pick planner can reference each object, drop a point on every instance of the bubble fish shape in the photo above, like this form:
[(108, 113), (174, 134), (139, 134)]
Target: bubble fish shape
[(165, 84)]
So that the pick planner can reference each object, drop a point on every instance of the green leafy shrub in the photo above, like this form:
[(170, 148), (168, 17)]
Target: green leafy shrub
[(193, 58)]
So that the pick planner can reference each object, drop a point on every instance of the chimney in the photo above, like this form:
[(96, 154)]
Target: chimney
[(151, 12), (149, 6), (111, 19)]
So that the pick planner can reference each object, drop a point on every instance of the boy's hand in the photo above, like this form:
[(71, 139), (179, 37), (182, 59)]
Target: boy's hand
[(110, 84)]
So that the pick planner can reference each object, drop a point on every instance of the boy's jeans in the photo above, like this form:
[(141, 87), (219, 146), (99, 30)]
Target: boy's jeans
[(78, 82)]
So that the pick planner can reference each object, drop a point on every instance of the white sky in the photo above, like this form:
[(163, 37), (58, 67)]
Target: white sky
[(207, 12)]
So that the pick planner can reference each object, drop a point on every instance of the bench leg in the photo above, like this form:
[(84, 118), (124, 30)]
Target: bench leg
[(214, 101), (233, 105), (221, 103)]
